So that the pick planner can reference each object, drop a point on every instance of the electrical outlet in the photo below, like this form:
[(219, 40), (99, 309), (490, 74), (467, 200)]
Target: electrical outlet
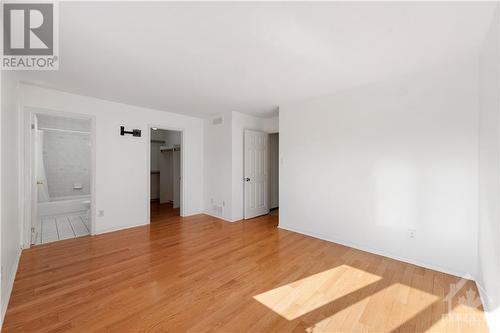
[(412, 233), (100, 213)]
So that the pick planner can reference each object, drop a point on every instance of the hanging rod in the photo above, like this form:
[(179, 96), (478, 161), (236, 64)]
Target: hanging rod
[(62, 130)]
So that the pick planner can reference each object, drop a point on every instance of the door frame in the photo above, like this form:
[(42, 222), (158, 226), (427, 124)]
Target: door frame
[(279, 163), (182, 211), (244, 170), (28, 177)]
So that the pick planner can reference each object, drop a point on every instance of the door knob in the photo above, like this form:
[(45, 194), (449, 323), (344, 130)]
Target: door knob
[(247, 179)]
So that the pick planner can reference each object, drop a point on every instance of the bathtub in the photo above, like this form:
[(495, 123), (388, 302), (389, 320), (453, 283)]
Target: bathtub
[(63, 205)]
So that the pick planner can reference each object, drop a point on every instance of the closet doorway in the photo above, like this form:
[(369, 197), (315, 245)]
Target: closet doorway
[(165, 166)]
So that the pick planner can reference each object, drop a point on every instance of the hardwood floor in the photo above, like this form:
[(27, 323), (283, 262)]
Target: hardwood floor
[(161, 212), (202, 274)]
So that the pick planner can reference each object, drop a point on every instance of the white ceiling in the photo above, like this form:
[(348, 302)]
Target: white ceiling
[(205, 58)]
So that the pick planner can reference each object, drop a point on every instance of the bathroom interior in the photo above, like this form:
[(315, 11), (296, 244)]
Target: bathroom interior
[(62, 165)]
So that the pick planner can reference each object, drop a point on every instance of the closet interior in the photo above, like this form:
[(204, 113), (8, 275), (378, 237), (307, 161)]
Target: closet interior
[(165, 170)]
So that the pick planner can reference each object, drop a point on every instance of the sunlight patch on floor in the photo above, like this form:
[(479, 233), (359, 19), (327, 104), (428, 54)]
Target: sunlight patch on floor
[(303, 296), (384, 310)]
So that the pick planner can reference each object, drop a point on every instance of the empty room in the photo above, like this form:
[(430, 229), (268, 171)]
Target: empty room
[(250, 166)]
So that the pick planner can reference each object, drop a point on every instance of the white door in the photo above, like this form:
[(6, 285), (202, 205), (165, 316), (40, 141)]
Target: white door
[(256, 174), (176, 156), (34, 135)]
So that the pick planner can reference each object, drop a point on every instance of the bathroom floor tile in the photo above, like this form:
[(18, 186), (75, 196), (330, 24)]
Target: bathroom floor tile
[(54, 228)]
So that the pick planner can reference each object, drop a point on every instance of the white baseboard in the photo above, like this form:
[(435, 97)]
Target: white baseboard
[(491, 314), (220, 217), (193, 213), (105, 231), (493, 320), (382, 253), (10, 284)]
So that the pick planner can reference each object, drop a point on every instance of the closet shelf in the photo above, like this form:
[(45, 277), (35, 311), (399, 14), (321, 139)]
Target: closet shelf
[(166, 149)]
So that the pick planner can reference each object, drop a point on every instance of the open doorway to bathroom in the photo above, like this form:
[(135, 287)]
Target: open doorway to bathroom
[(165, 174), (61, 148)]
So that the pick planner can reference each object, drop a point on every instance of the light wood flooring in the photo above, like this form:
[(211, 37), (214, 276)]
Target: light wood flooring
[(201, 274)]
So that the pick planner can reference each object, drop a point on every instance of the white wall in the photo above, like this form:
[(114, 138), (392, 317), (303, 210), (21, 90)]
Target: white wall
[(122, 161), (10, 203), (218, 197), (489, 168), (365, 166), (159, 135), (173, 138), (224, 161), (1, 217)]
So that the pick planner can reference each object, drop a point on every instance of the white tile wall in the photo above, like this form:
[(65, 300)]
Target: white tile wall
[(67, 161), (63, 123), (66, 155)]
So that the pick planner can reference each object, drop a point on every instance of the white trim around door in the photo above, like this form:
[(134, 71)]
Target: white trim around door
[(182, 170), (28, 176)]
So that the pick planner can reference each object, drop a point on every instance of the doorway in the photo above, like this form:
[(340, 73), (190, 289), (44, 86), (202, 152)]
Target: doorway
[(261, 173), (165, 174), (274, 174), (60, 176)]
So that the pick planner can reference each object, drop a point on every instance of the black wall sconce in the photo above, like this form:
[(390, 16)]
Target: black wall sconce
[(134, 132)]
